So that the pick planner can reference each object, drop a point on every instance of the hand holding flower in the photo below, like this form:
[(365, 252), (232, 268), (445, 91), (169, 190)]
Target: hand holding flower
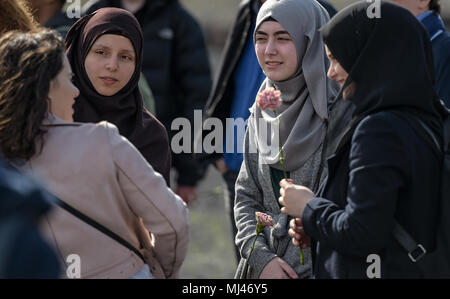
[(296, 231), (294, 198)]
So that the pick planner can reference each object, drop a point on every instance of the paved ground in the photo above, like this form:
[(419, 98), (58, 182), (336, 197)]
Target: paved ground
[(210, 252)]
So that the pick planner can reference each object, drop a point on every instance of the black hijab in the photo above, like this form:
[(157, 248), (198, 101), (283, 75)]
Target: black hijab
[(125, 108), (388, 58)]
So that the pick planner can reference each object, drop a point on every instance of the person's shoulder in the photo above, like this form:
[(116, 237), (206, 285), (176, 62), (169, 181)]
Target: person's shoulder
[(442, 44), (180, 13), (102, 128), (381, 121), (94, 133)]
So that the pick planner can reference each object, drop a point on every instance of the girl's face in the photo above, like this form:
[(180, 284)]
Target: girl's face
[(276, 51), (335, 71), (62, 93), (110, 63)]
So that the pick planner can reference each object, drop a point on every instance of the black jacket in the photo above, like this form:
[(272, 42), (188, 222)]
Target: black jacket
[(384, 170), (61, 23), (176, 67)]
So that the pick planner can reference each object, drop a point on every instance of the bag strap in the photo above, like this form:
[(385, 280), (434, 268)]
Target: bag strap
[(97, 225), (91, 222), (414, 249)]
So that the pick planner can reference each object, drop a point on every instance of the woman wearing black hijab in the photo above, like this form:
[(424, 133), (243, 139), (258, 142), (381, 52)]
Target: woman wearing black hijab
[(384, 169), (107, 75)]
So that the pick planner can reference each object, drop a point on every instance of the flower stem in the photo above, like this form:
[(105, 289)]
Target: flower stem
[(279, 147), (302, 261), (244, 271)]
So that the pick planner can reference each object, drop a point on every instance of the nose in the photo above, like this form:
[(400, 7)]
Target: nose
[(76, 91), (112, 64), (331, 72), (271, 47)]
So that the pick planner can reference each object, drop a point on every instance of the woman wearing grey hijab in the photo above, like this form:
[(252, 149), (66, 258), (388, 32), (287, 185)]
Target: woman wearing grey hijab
[(291, 53)]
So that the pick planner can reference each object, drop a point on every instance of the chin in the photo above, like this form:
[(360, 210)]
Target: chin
[(107, 92)]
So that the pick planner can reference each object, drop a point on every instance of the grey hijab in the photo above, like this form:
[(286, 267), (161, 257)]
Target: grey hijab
[(301, 119)]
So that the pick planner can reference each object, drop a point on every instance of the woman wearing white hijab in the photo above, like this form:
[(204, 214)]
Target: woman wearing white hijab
[(291, 53)]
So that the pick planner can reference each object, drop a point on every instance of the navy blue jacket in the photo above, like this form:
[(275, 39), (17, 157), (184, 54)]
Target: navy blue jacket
[(441, 54), (383, 171), (24, 253)]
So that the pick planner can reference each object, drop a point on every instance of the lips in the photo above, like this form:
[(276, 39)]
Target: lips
[(273, 64), (108, 80)]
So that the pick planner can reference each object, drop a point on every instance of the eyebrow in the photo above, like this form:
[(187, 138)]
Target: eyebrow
[(107, 47), (276, 32)]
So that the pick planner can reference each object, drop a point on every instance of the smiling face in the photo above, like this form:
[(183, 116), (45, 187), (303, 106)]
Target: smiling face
[(62, 93), (110, 63), (276, 51)]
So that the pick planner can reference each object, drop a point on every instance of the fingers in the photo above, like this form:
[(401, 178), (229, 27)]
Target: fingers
[(288, 269), (296, 242), (296, 224), (284, 183), (281, 201)]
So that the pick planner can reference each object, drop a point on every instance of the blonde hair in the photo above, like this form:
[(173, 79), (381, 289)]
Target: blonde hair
[(16, 15)]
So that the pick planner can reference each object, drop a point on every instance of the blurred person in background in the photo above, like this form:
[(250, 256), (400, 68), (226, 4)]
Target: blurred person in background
[(50, 14), (177, 69), (24, 252), (428, 12)]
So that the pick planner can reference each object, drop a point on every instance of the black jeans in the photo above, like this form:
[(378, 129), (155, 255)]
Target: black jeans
[(230, 178)]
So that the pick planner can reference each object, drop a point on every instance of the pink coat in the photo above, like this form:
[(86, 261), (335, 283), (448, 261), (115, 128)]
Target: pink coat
[(100, 173)]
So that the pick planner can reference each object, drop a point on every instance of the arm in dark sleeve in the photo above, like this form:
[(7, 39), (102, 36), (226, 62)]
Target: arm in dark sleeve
[(193, 79), (378, 166), (191, 63)]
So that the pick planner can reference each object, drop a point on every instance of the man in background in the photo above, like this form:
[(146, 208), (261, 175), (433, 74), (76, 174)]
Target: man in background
[(428, 12)]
